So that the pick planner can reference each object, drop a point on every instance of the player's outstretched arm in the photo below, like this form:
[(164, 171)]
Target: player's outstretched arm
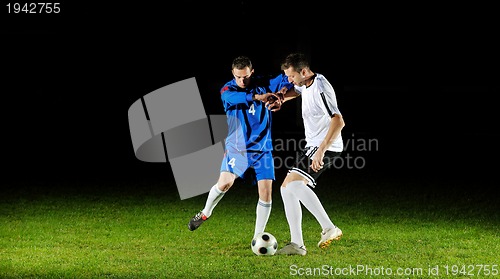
[(231, 96)]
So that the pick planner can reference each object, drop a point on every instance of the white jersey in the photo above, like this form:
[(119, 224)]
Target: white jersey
[(319, 104)]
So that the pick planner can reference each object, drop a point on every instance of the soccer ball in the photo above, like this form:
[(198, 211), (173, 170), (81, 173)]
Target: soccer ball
[(264, 244)]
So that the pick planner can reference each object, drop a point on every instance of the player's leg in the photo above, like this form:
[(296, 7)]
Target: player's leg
[(312, 203), (309, 198), (233, 165), (226, 180), (293, 214), (298, 185), (263, 165), (264, 205)]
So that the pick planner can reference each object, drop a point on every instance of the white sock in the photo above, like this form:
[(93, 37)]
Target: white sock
[(262, 215), (214, 196), (311, 201), (293, 213)]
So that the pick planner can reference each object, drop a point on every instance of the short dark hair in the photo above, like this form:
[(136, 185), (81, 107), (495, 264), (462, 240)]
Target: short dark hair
[(241, 62), (297, 61)]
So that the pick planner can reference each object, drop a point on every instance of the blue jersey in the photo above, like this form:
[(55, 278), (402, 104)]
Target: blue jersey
[(249, 121)]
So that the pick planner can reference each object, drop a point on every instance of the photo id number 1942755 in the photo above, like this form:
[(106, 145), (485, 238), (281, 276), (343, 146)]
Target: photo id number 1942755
[(33, 8)]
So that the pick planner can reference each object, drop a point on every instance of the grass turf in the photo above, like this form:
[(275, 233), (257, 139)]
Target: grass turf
[(393, 228)]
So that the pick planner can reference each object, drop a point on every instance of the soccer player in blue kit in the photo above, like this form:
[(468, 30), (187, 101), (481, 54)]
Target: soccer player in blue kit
[(248, 145)]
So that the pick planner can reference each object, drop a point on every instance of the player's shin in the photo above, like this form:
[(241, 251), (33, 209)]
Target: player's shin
[(263, 211), (293, 213), (214, 196), (311, 202)]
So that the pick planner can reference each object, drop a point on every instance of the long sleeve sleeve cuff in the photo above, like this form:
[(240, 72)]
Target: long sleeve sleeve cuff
[(250, 97)]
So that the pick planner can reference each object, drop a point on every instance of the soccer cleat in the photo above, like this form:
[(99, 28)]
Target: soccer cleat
[(196, 221), (329, 235), (292, 249)]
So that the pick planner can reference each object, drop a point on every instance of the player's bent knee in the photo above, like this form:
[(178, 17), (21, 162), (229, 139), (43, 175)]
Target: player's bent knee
[(224, 186), (226, 180)]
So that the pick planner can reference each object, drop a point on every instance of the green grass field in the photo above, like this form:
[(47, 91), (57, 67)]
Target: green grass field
[(393, 228)]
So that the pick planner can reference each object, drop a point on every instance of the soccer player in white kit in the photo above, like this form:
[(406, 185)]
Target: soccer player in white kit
[(323, 124)]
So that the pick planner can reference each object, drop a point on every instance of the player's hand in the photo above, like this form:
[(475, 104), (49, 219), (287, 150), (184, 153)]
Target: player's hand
[(273, 102), (274, 106), (281, 94), (317, 161)]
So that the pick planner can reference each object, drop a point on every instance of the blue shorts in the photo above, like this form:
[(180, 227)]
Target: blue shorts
[(239, 162)]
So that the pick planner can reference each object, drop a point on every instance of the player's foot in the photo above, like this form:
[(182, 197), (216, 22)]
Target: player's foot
[(329, 235), (292, 249), (196, 221)]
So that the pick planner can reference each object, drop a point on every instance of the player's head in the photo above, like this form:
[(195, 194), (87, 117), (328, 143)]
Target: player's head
[(242, 70), (296, 68)]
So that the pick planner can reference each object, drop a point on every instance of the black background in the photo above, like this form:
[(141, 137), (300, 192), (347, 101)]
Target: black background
[(422, 80)]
